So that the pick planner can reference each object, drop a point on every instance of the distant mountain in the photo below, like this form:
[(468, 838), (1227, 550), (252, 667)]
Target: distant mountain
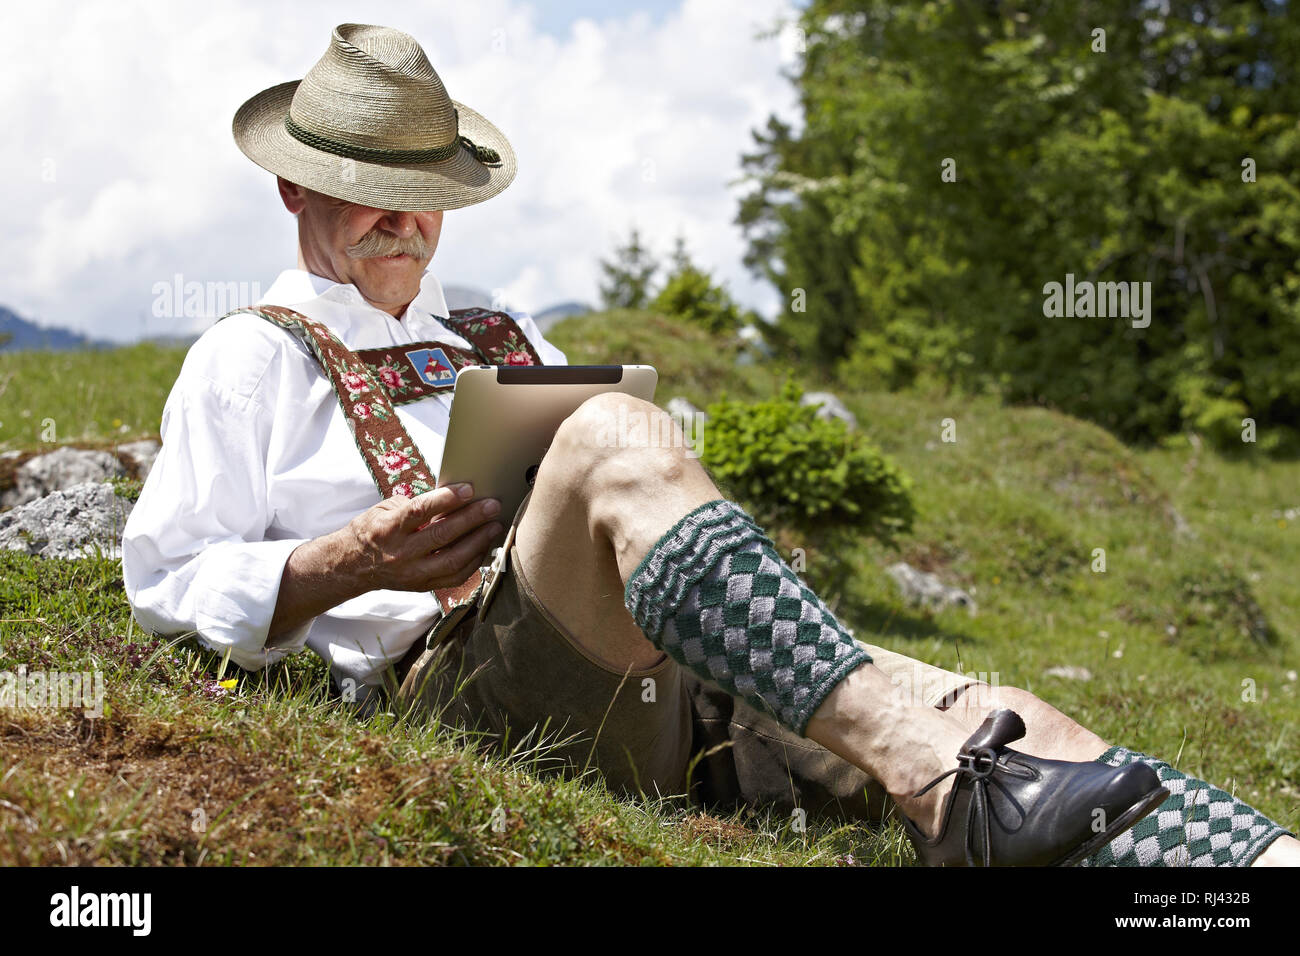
[(28, 335), (548, 317)]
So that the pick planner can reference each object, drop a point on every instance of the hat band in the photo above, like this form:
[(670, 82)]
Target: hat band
[(436, 154)]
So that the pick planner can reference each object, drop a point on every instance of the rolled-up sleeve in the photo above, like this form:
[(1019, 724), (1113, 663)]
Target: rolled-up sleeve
[(194, 553)]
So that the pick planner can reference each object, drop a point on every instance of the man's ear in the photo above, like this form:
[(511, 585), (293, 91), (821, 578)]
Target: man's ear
[(293, 196)]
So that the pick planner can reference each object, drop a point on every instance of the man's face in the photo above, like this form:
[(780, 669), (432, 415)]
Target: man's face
[(382, 253)]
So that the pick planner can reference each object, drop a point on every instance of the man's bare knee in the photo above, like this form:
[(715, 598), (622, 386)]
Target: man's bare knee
[(612, 422), (619, 449)]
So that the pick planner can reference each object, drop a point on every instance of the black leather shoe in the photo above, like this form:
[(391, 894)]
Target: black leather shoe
[(1011, 809)]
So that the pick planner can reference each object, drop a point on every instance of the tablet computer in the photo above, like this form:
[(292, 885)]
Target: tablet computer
[(504, 417)]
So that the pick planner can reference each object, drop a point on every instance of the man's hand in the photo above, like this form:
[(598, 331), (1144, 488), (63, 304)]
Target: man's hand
[(433, 541)]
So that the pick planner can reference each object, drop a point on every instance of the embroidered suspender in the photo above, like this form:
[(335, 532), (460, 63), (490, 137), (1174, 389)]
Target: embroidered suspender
[(412, 372), (371, 382)]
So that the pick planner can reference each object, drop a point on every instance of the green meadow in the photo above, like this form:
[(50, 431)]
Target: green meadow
[(1184, 645)]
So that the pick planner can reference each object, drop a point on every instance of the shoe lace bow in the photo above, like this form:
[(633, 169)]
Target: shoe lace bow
[(978, 765)]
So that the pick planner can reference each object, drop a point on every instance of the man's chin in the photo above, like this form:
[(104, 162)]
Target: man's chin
[(395, 280)]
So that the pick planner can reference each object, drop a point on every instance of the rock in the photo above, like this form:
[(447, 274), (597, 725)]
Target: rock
[(57, 470), (925, 589), (831, 407), (69, 523), (140, 454), (1069, 673)]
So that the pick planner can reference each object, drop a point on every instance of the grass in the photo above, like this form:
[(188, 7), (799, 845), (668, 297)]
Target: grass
[(95, 398), (1189, 634), (181, 769)]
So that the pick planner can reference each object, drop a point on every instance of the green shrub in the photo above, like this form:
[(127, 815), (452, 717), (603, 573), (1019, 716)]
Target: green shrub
[(786, 465), (909, 353), (691, 294)]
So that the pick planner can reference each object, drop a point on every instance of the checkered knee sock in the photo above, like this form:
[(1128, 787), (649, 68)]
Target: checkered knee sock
[(1199, 825), (715, 596)]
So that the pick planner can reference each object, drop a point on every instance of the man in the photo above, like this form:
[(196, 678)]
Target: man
[(631, 605)]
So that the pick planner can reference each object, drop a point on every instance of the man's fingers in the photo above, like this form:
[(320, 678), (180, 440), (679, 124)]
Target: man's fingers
[(462, 574), (424, 508), (448, 528), (463, 556)]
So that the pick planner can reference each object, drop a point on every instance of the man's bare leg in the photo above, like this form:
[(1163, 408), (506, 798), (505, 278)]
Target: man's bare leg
[(595, 513)]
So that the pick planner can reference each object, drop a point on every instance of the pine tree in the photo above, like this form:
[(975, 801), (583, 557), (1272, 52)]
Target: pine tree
[(690, 293), (628, 276)]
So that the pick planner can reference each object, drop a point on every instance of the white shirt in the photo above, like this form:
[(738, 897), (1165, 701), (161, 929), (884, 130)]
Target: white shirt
[(257, 459)]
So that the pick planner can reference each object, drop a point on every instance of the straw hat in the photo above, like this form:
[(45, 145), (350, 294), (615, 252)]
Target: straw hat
[(371, 123)]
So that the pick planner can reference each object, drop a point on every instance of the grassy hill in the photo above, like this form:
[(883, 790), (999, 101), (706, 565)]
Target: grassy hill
[(1189, 636)]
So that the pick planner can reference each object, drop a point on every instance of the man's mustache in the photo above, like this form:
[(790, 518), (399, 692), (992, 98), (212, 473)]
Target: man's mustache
[(379, 243)]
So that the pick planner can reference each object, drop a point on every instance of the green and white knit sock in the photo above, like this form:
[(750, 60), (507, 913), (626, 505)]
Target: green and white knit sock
[(1199, 825), (714, 594)]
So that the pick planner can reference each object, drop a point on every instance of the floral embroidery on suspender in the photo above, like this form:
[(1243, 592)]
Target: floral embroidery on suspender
[(496, 336), (412, 372), (368, 383), (386, 447)]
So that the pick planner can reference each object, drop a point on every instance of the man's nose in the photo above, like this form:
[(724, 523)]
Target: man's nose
[(401, 224)]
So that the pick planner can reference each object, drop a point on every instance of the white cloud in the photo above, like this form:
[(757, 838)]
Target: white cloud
[(127, 174)]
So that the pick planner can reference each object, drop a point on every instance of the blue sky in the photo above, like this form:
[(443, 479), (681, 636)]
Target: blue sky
[(128, 178)]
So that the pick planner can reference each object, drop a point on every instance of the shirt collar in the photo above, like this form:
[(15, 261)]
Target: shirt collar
[(297, 286)]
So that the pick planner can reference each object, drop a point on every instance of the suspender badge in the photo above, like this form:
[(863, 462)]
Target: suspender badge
[(433, 366)]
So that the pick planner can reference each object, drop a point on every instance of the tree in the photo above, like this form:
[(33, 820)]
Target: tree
[(690, 293), (628, 276), (1127, 165)]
